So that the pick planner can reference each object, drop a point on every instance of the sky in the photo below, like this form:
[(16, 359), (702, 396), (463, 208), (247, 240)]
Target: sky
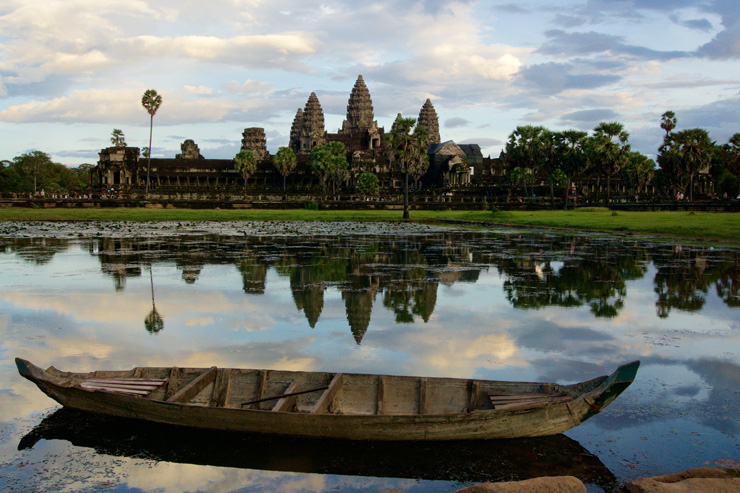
[(73, 70)]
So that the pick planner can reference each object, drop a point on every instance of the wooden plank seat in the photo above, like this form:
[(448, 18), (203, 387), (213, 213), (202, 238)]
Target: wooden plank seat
[(126, 386), (512, 401)]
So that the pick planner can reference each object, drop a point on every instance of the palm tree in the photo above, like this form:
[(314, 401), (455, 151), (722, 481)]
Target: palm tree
[(549, 144), (117, 138), (668, 121), (329, 162), (523, 150), (151, 101), (408, 150), (285, 162), (694, 149), (611, 150), (153, 322), (733, 152), (573, 160), (246, 164)]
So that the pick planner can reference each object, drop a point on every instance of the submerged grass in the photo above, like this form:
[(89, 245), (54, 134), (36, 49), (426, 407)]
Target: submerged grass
[(698, 225)]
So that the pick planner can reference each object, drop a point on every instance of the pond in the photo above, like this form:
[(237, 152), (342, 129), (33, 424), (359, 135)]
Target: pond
[(365, 298)]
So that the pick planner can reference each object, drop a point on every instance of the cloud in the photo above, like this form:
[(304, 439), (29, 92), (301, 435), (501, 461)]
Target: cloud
[(456, 122), (283, 50), (698, 24), (564, 44), (200, 90), (123, 107), (553, 78), (483, 142), (725, 45), (590, 117)]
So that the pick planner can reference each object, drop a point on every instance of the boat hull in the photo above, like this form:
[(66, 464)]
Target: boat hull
[(528, 421)]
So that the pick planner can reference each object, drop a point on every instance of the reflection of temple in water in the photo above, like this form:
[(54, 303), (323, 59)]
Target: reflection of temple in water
[(403, 273)]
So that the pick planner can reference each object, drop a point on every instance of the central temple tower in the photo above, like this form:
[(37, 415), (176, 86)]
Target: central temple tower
[(360, 123)]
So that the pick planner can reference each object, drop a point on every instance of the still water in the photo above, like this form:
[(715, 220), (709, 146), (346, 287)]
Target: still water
[(393, 299)]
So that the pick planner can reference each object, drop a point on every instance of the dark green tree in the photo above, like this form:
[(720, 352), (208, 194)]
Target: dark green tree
[(33, 164), (694, 149), (245, 164), (733, 158), (285, 162), (637, 172), (117, 138), (573, 158), (611, 150), (668, 121), (329, 163), (523, 150), (368, 185), (408, 147)]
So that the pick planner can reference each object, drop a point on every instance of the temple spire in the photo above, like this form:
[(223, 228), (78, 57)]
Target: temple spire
[(428, 118), (360, 114), (312, 131)]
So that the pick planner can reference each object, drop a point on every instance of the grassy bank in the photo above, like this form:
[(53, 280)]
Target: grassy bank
[(720, 226)]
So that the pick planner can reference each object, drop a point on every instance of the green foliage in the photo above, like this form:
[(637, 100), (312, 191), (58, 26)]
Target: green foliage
[(693, 149), (246, 164), (285, 162), (668, 121), (151, 101), (312, 206), (33, 164), (117, 138), (408, 152), (368, 185), (610, 150), (329, 163), (36, 171), (638, 172)]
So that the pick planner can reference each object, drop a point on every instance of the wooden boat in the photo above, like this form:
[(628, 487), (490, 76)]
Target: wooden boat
[(333, 405)]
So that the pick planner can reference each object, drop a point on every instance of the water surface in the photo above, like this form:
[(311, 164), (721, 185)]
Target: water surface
[(393, 299)]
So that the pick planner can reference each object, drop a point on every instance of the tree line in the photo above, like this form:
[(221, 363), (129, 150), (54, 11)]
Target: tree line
[(34, 172), (534, 152)]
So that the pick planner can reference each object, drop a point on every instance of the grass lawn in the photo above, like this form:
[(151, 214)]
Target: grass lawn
[(699, 225)]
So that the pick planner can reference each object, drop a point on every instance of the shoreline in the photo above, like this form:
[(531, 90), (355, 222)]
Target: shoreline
[(697, 226)]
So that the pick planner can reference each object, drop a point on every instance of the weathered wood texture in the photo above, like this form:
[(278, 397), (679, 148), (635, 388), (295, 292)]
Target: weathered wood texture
[(345, 405)]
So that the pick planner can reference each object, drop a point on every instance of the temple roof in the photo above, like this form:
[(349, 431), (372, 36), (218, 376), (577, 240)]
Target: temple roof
[(428, 119), (360, 114)]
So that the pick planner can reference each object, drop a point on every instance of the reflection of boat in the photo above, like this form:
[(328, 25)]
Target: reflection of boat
[(471, 461), (333, 405)]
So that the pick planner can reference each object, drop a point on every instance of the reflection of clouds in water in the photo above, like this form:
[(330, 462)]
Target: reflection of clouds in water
[(60, 466)]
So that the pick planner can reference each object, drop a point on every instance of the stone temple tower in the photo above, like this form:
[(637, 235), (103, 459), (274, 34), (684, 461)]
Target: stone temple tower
[(359, 109), (428, 118), (360, 123), (308, 130), (253, 139)]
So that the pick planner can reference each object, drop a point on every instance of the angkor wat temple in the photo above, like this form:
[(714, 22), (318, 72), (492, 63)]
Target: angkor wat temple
[(451, 165)]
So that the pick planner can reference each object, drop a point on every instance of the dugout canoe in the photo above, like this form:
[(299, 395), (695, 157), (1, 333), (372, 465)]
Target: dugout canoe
[(333, 405)]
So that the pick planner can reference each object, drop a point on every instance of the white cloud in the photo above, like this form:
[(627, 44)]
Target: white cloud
[(197, 90)]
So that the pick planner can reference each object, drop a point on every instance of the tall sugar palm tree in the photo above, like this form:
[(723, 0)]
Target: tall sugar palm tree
[(694, 149), (611, 150), (151, 101), (408, 150)]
